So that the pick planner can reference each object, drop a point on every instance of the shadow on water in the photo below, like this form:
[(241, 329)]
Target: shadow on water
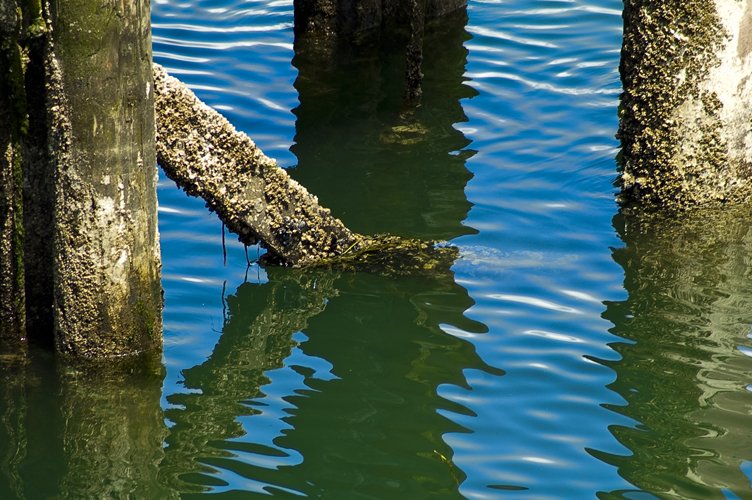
[(380, 165), (371, 427), (686, 370), (80, 432)]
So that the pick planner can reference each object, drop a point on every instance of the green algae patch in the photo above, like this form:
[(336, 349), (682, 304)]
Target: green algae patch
[(392, 256)]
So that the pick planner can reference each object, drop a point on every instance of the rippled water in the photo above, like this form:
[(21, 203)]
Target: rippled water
[(572, 352)]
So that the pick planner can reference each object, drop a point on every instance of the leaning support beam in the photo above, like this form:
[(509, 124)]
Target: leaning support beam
[(256, 199), (686, 112), (204, 154)]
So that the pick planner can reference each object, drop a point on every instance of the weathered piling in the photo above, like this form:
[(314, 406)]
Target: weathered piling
[(204, 154), (108, 297), (79, 250), (332, 18), (686, 111), (404, 168), (257, 200), (326, 27), (39, 187), (414, 52), (12, 303)]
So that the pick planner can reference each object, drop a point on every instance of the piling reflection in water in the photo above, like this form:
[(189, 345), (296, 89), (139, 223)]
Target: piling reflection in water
[(379, 164), (113, 431), (13, 414), (81, 432), (378, 428), (373, 425), (257, 337), (686, 368)]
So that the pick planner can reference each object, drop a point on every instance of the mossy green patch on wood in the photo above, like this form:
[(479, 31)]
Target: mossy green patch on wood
[(392, 255), (13, 66), (35, 24)]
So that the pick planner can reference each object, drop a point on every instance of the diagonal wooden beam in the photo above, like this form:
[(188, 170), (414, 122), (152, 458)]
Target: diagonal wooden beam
[(256, 199), (204, 154)]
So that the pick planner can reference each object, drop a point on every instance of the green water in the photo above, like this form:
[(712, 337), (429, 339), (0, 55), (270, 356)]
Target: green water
[(685, 370)]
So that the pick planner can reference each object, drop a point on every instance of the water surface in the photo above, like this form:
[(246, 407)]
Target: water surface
[(571, 352)]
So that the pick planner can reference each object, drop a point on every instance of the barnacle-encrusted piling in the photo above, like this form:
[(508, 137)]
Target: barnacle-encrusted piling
[(79, 248), (12, 124), (414, 52), (108, 295), (204, 154), (686, 111), (332, 18)]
